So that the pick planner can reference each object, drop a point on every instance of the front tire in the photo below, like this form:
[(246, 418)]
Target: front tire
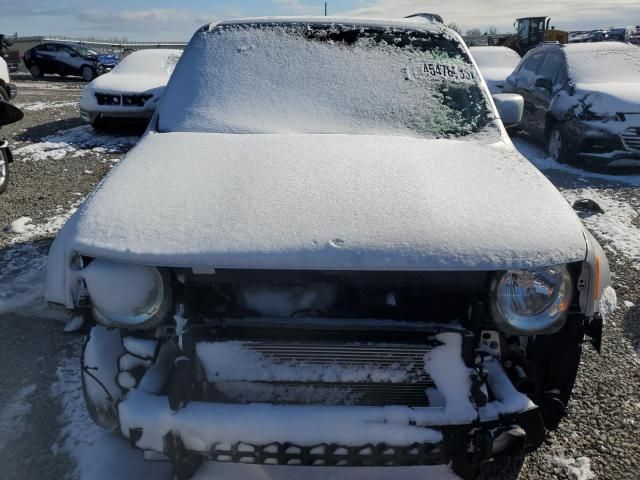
[(4, 172), (35, 71), (559, 148), (87, 73)]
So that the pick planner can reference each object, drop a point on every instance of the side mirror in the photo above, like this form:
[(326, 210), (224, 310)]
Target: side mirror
[(9, 113), (510, 107), (544, 82)]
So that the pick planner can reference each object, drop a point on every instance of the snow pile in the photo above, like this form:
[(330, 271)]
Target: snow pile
[(579, 468), (20, 225), (93, 448), (445, 366), (294, 79), (615, 226), (22, 264), (40, 106), (12, 416), (234, 361), (608, 303), (77, 141), (203, 425)]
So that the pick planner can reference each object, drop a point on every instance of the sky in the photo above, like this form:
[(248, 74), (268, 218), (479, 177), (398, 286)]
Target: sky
[(165, 20)]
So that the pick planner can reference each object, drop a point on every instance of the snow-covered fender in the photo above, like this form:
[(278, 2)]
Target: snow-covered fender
[(62, 280)]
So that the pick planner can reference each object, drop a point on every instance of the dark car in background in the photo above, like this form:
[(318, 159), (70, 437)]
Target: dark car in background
[(583, 101), (66, 59)]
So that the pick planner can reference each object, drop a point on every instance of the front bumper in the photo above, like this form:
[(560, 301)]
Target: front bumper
[(459, 429), (611, 144)]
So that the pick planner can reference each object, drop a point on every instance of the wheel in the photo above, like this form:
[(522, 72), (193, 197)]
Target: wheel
[(559, 148), (4, 172), (87, 73), (4, 95), (36, 72), (99, 365), (100, 125)]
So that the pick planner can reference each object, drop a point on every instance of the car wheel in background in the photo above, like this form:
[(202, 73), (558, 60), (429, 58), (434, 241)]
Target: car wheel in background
[(87, 73), (558, 146), (35, 70), (4, 172), (4, 95), (99, 124)]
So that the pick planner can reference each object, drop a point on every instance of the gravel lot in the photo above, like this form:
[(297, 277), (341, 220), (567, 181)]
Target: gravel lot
[(598, 439)]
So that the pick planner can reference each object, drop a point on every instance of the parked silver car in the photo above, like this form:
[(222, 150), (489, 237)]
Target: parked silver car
[(326, 251)]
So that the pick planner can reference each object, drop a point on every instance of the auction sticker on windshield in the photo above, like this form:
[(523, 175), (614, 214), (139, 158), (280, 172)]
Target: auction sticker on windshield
[(445, 71)]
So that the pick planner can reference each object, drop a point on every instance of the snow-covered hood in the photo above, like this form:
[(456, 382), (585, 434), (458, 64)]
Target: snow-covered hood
[(326, 202), (610, 98), (126, 83)]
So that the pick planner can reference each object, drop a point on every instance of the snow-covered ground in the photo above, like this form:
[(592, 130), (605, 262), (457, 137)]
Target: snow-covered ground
[(40, 106), (77, 141)]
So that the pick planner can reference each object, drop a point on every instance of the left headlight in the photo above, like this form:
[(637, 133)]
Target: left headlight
[(529, 302), (127, 296)]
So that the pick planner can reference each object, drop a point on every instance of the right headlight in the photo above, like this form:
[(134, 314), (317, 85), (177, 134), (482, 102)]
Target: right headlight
[(529, 302), (127, 296)]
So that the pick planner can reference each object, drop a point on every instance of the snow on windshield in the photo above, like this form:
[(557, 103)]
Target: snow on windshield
[(149, 62), (603, 62), (325, 79), (495, 57)]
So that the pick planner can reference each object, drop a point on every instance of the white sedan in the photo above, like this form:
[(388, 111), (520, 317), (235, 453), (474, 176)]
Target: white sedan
[(495, 64), (131, 91)]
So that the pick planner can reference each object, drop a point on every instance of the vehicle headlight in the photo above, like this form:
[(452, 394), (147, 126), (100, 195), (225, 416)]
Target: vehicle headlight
[(127, 296), (528, 302)]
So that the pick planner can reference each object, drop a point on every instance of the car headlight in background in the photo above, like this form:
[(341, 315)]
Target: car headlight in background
[(528, 302), (127, 296)]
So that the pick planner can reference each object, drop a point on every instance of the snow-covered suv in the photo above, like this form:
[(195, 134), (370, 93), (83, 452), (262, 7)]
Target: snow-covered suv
[(326, 251)]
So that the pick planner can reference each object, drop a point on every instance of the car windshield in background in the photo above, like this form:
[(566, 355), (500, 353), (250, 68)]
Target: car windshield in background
[(604, 62), (309, 78), (85, 52), (149, 62)]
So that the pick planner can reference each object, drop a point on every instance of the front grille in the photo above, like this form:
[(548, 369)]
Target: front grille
[(369, 374), (631, 138), (108, 99), (124, 100), (135, 100)]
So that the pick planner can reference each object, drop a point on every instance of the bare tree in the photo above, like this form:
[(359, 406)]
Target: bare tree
[(474, 32), (454, 26), (493, 31)]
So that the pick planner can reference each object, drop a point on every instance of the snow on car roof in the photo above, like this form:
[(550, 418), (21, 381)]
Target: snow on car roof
[(421, 23), (495, 57), (601, 62)]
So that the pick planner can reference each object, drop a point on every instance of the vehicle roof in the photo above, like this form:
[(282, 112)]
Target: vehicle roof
[(583, 47), (413, 23)]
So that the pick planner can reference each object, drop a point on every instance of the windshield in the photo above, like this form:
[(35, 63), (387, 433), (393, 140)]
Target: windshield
[(495, 57), (85, 52), (149, 62), (604, 62), (307, 78)]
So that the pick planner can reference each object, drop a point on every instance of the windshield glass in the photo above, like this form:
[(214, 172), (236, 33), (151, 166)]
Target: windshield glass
[(308, 78), (604, 62), (85, 52), (495, 57), (149, 62)]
